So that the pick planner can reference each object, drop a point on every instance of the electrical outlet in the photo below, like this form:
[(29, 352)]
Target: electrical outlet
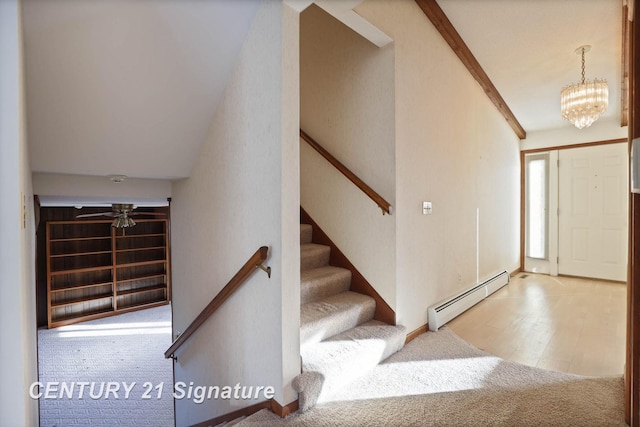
[(427, 208)]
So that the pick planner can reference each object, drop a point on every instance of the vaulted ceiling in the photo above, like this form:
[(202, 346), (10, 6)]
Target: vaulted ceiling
[(130, 87), (526, 47), (127, 87)]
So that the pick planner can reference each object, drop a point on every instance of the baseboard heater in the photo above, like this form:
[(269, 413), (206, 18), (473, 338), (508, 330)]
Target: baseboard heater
[(441, 313)]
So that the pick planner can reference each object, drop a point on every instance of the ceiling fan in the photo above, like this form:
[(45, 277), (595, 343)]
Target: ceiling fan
[(121, 214)]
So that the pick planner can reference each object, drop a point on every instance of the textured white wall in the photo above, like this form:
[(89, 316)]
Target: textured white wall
[(601, 130), (347, 105), (290, 202), (454, 149), (242, 194), (82, 186), (17, 233)]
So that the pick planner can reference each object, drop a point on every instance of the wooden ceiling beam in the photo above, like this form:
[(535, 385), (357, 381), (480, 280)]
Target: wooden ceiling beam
[(438, 18), (626, 36)]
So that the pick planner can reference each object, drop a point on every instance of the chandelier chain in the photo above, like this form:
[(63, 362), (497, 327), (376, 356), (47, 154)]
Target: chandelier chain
[(582, 65)]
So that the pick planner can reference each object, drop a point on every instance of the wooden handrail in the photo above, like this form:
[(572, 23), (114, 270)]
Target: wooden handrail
[(249, 267), (381, 202)]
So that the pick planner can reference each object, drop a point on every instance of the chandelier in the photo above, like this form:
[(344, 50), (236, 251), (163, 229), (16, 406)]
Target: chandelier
[(581, 104)]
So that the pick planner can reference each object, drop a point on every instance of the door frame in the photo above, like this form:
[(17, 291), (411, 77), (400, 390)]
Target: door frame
[(523, 200), (631, 58)]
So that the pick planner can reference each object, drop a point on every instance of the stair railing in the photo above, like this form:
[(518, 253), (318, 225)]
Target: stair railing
[(240, 277), (378, 199)]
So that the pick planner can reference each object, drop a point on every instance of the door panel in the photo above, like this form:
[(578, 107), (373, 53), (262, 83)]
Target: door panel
[(579, 244), (579, 194), (611, 244), (593, 212)]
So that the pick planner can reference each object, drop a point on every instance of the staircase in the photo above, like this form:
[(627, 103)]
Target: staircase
[(339, 339)]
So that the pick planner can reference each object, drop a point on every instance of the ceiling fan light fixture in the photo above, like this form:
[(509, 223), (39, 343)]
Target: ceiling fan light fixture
[(120, 212), (581, 104), (123, 221), (117, 179)]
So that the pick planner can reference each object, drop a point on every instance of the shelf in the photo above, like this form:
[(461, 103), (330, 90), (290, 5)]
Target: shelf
[(80, 239), (79, 300), (66, 320), (80, 254), (141, 235), (148, 248), (152, 276), (81, 270), (98, 267), (73, 288), (143, 220), (81, 222), (132, 307), (140, 290), (141, 263)]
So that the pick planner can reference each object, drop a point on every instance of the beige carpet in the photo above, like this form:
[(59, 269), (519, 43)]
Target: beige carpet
[(126, 348), (440, 380), (339, 340)]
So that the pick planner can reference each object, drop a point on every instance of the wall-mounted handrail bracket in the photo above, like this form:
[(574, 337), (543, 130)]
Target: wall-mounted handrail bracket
[(256, 261), (265, 269)]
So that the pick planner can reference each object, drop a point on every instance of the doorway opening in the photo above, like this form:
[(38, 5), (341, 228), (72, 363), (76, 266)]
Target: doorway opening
[(104, 317), (576, 211)]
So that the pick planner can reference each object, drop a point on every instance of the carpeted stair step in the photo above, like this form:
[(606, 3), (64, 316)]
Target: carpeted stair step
[(232, 422), (306, 233), (322, 282), (313, 256), (333, 363), (339, 340), (330, 316)]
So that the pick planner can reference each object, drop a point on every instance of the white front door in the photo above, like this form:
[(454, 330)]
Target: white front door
[(593, 200)]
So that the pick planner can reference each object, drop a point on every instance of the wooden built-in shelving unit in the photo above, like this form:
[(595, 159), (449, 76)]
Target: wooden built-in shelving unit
[(95, 270)]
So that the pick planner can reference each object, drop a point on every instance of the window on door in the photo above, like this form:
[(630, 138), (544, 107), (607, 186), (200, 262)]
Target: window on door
[(537, 205)]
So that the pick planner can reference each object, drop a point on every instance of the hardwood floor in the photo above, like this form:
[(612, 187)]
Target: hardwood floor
[(563, 324)]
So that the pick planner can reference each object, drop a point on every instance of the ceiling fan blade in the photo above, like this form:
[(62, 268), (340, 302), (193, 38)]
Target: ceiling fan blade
[(111, 214)]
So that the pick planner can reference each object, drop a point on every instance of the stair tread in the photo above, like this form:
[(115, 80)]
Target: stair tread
[(330, 316), (306, 233), (313, 255), (323, 282), (345, 357), (322, 272), (362, 337), (313, 248)]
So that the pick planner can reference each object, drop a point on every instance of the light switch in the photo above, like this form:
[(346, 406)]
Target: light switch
[(426, 208)]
